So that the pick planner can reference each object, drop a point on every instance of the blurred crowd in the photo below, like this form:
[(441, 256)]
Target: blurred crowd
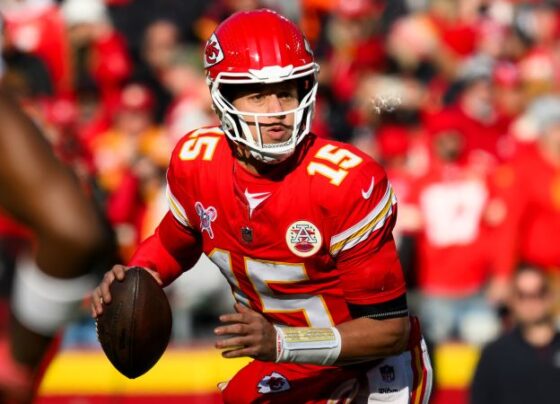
[(458, 99)]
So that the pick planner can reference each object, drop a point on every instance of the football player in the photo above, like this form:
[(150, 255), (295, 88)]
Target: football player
[(299, 226), (69, 240)]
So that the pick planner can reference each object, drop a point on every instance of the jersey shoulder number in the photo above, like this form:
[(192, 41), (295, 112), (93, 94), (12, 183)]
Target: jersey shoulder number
[(357, 197), (194, 150), (199, 144), (333, 161), (197, 147)]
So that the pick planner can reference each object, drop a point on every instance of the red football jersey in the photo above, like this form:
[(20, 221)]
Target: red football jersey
[(298, 245), (453, 246)]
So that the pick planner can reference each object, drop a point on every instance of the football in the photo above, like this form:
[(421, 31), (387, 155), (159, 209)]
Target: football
[(135, 326)]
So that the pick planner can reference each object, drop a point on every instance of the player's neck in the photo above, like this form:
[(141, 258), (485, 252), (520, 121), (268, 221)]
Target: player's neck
[(261, 169), (272, 171)]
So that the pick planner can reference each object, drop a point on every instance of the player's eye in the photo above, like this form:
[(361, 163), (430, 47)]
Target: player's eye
[(286, 95), (256, 97)]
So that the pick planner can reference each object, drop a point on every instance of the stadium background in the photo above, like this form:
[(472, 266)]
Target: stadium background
[(115, 83)]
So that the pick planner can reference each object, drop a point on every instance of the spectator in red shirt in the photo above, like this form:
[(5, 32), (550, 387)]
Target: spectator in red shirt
[(526, 203), (452, 247)]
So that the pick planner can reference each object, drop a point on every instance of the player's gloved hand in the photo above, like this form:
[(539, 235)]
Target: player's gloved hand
[(101, 294), (247, 333)]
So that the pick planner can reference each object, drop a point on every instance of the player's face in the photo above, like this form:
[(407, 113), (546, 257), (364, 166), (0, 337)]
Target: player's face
[(449, 145), (273, 98)]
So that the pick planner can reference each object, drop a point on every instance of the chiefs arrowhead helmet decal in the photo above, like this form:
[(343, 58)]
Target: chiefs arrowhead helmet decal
[(213, 53)]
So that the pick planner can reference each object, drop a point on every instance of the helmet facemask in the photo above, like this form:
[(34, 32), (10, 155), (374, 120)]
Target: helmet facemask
[(236, 124)]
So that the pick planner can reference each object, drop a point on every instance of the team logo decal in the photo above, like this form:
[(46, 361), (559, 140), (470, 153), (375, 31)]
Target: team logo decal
[(303, 238), (213, 53), (387, 373), (207, 216), (273, 383)]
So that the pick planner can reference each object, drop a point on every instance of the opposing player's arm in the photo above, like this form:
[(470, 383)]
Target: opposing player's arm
[(41, 193), (70, 237)]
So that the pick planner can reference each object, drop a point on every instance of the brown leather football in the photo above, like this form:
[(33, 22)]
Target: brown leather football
[(135, 326)]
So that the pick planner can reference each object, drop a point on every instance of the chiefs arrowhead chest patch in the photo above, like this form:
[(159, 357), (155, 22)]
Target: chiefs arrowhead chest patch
[(303, 238)]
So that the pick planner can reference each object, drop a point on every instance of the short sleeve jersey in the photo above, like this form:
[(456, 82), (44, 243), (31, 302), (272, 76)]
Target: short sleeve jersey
[(301, 248)]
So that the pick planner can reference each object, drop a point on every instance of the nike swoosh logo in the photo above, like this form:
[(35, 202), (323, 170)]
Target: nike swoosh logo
[(367, 194), (258, 196), (255, 199)]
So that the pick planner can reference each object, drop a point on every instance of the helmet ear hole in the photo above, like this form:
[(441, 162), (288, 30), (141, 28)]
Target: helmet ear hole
[(228, 92), (230, 122), (304, 85)]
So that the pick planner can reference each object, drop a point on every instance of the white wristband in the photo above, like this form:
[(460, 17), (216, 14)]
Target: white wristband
[(44, 303), (319, 346)]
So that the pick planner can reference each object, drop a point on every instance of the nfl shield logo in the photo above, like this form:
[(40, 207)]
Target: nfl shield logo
[(247, 234), (387, 373)]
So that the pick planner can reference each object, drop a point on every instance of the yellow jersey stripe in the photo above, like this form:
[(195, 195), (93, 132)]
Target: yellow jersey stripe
[(176, 209), (374, 224), (372, 214)]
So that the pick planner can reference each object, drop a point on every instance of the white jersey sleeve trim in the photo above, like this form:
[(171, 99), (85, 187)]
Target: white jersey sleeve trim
[(177, 209), (373, 221)]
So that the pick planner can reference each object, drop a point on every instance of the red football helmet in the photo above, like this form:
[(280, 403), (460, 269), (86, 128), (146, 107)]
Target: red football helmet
[(260, 46)]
